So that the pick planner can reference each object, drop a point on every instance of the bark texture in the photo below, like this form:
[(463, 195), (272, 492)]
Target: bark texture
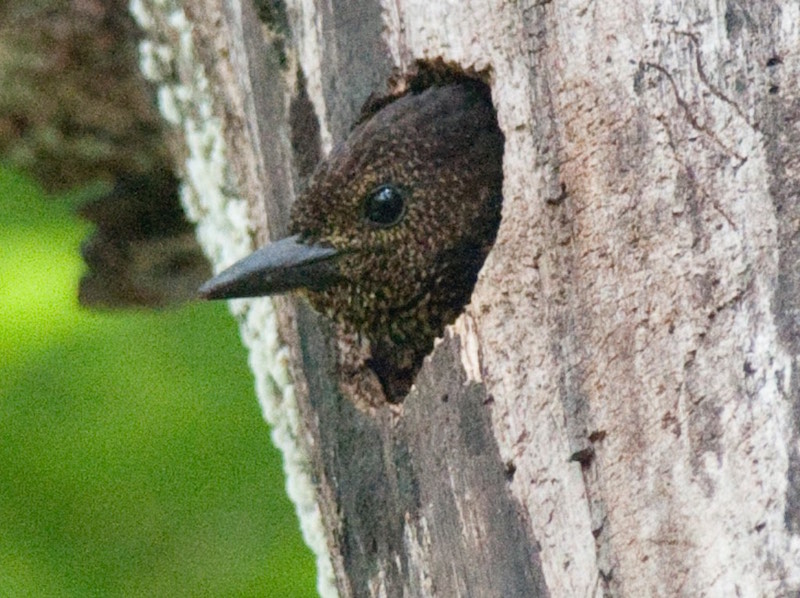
[(615, 412)]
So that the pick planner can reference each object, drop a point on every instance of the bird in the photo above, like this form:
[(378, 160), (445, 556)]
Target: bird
[(388, 238)]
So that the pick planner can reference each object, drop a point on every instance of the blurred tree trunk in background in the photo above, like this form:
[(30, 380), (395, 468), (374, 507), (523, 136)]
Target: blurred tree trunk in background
[(76, 110), (616, 411), (74, 106)]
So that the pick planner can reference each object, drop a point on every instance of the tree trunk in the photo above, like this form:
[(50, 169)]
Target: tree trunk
[(615, 412)]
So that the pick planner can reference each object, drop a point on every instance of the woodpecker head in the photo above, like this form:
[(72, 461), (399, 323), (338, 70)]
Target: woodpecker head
[(390, 234)]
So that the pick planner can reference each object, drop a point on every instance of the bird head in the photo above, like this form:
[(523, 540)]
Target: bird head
[(395, 224)]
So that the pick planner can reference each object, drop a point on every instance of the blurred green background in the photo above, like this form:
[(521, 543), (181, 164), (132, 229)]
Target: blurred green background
[(133, 457)]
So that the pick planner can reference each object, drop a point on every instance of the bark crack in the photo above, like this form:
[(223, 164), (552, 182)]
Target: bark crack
[(690, 115), (695, 42)]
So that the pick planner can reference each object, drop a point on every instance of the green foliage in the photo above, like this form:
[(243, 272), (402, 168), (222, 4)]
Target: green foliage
[(133, 457)]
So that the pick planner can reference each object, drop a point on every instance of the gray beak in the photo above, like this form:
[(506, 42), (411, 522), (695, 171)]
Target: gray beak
[(276, 268)]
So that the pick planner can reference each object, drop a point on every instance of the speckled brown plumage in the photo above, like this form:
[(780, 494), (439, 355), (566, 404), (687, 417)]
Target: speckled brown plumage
[(439, 154)]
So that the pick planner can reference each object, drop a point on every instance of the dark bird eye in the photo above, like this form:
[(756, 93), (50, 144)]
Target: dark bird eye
[(385, 206)]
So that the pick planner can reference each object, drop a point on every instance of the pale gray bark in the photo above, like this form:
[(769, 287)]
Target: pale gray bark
[(616, 411)]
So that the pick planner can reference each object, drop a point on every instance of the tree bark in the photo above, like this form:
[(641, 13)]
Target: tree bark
[(615, 412)]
